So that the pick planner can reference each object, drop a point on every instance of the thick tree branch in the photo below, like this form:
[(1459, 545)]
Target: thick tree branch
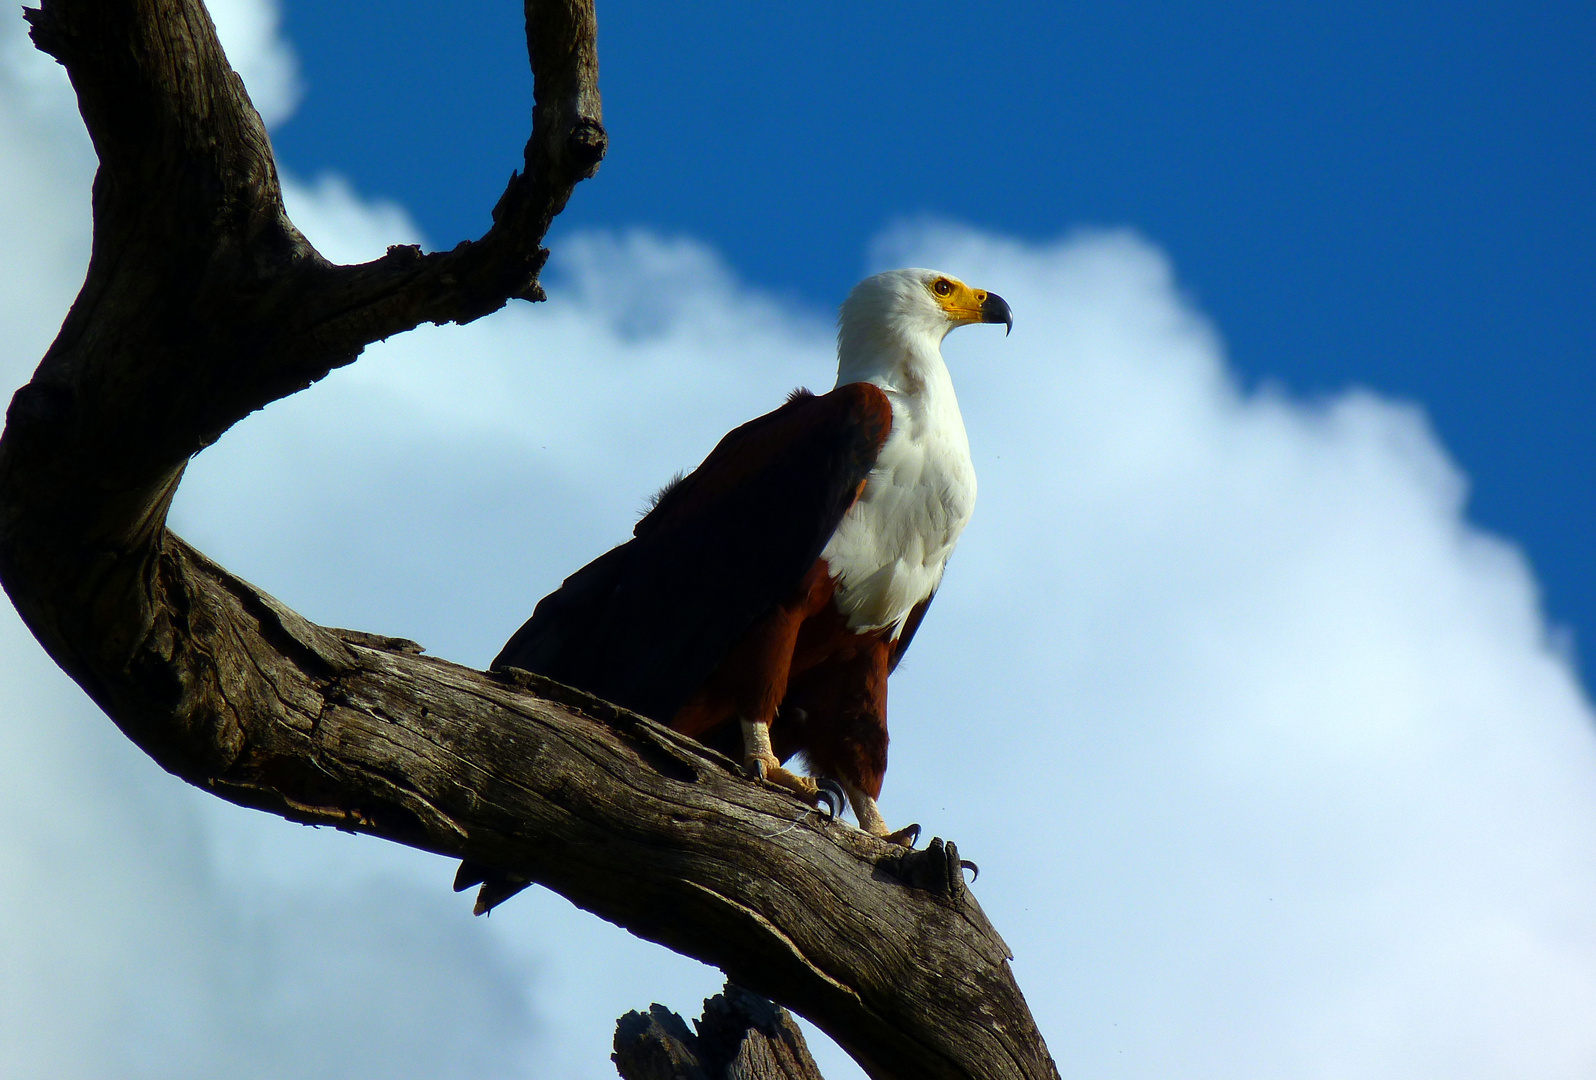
[(202, 302)]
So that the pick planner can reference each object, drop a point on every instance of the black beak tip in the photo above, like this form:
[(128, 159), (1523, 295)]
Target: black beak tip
[(995, 309)]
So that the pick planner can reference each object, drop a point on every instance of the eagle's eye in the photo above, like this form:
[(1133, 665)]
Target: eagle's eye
[(942, 286)]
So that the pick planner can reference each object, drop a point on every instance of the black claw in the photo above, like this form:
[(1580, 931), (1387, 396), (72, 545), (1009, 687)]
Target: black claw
[(908, 836), (937, 869), (755, 769), (832, 794), (975, 871)]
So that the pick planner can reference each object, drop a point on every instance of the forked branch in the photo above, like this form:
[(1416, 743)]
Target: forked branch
[(202, 303)]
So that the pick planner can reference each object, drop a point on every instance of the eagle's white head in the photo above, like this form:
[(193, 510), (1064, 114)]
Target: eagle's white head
[(893, 323)]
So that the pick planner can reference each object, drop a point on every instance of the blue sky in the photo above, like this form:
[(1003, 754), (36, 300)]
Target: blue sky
[(1248, 708), (1395, 196)]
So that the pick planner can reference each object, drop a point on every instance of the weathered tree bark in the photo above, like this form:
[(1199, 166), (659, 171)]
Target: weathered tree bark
[(202, 303), (741, 1036)]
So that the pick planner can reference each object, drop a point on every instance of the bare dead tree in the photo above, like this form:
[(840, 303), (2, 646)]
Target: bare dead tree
[(202, 303)]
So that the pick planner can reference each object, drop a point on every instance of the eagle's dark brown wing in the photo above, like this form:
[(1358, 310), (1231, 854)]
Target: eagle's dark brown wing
[(644, 624)]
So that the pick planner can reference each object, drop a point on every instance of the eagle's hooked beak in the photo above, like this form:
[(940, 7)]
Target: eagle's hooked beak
[(964, 305), (995, 309)]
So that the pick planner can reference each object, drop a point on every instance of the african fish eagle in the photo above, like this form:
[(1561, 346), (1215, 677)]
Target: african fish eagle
[(764, 599)]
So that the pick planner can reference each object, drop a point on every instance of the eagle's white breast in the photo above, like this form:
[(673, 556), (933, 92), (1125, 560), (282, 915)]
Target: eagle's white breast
[(889, 552)]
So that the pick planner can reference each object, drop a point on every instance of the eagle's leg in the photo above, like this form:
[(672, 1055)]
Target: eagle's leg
[(761, 761), (871, 821), (843, 702)]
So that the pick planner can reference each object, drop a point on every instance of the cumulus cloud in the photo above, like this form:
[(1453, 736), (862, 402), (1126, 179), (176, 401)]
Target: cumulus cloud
[(1317, 790), (1270, 761), (45, 158), (251, 32)]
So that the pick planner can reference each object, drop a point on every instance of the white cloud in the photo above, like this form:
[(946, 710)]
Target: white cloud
[(45, 163), (1266, 753), (251, 32), (345, 227), (1323, 790)]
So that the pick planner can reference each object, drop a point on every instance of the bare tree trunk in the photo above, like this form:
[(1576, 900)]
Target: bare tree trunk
[(741, 1036), (202, 303)]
